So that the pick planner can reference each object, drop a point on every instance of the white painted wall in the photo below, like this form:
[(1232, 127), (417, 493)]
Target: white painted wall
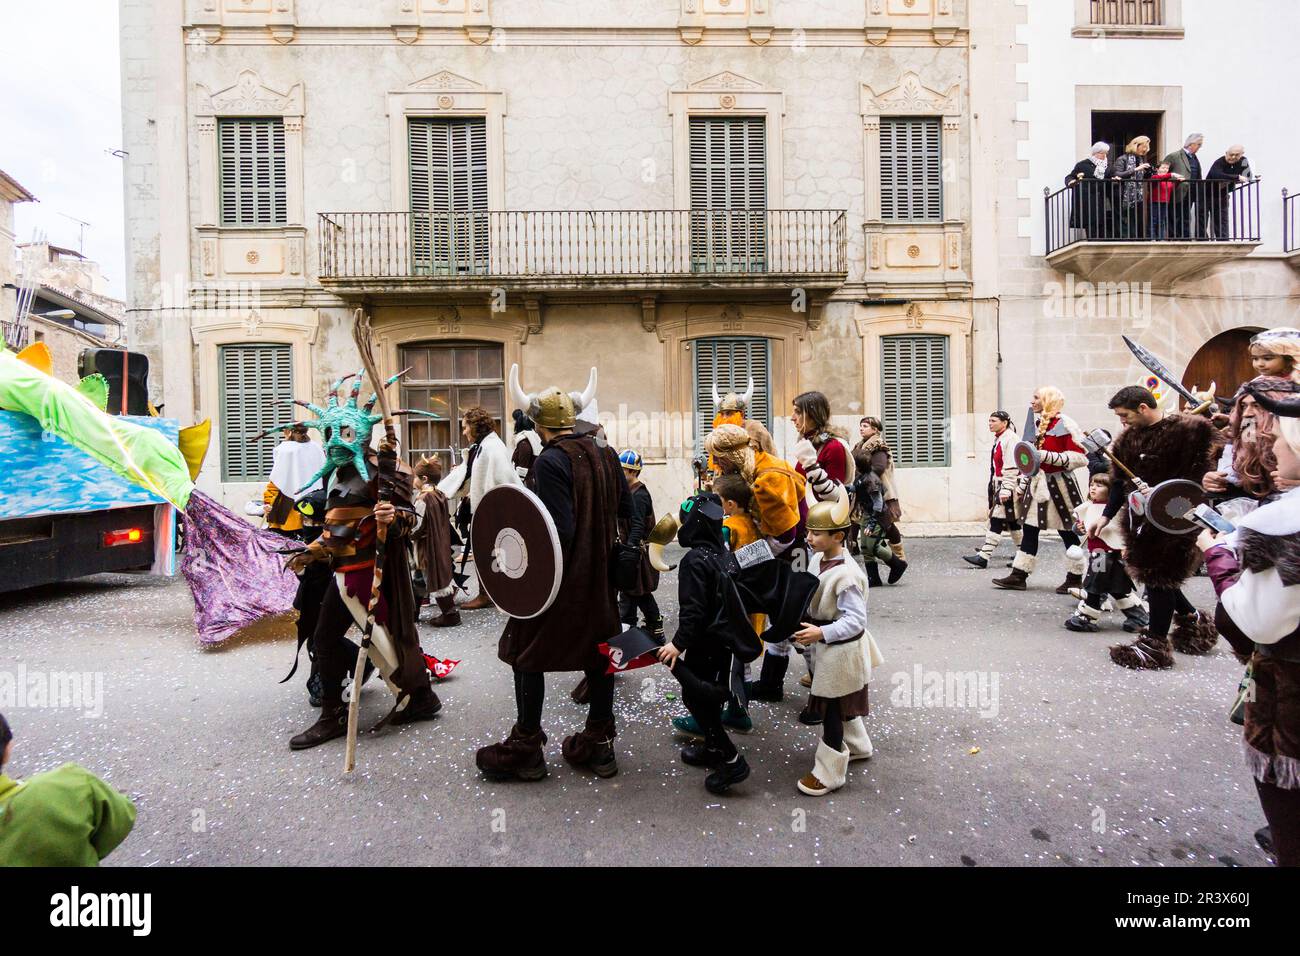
[(1235, 66)]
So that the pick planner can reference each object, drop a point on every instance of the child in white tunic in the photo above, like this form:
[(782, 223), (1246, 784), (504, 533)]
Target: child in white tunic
[(844, 651)]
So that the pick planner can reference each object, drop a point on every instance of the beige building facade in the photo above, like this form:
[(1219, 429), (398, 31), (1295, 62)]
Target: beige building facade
[(681, 193), (863, 198)]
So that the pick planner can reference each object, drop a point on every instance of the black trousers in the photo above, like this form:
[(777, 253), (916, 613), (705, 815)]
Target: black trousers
[(530, 695), (705, 676), (1029, 543), (629, 604), (833, 725), (1164, 603), (1003, 525), (336, 656)]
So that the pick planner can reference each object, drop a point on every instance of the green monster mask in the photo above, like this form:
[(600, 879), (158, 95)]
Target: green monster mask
[(345, 427)]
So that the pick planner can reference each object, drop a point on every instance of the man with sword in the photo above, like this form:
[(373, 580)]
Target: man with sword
[(1154, 452)]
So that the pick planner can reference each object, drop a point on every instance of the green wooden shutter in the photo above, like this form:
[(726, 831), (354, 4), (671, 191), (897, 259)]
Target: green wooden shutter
[(732, 360), (728, 170), (914, 399), (255, 380), (252, 169), (449, 195), (911, 170)]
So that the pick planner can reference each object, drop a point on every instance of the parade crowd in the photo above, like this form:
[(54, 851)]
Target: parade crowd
[(777, 563)]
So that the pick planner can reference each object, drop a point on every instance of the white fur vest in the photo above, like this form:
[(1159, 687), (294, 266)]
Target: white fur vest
[(492, 467)]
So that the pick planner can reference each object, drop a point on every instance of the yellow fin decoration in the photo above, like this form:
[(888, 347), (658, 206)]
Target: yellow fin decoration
[(38, 356), (193, 442), (95, 388)]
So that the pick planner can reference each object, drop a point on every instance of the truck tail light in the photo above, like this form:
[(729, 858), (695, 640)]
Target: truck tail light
[(113, 539)]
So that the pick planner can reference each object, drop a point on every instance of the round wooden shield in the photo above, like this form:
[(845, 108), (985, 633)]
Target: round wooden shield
[(516, 551), (1170, 504), (1027, 458)]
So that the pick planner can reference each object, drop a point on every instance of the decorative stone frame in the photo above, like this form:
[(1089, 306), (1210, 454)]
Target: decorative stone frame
[(445, 94), (786, 333), (473, 16), (951, 319), (210, 330), (700, 15), (915, 258), (1166, 100), (1171, 29), (726, 94), (274, 254), (937, 16), (211, 17)]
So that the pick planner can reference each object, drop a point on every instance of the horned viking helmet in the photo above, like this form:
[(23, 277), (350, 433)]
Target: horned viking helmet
[(831, 514), (552, 408), (732, 402)]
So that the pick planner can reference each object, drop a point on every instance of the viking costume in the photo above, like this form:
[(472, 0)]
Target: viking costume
[(1258, 584), (1247, 461), (778, 506), (876, 450), (1046, 502), (349, 542), (1177, 447), (632, 532), (844, 655), (528, 445), (729, 409), (1107, 577), (583, 489), (487, 464), (1003, 474), (432, 539)]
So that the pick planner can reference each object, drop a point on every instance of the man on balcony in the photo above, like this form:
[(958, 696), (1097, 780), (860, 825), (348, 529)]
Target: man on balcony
[(1187, 211)]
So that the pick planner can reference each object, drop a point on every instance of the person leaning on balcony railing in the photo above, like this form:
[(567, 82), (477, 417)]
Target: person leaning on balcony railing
[(1132, 169), (1229, 171), (1187, 211), (1090, 208)]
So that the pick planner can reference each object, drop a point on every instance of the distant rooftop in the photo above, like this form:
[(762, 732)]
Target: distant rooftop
[(12, 190)]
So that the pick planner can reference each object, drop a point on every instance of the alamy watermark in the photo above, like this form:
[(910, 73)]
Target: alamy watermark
[(64, 690), (951, 690)]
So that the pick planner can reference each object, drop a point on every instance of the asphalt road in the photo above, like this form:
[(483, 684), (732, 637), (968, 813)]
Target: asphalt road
[(1063, 759)]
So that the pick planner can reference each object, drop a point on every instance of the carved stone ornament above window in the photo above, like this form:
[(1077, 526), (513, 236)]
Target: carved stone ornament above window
[(212, 17), (755, 16), (249, 97), (911, 97)]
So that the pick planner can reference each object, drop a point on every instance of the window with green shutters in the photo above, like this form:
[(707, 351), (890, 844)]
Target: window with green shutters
[(911, 170), (252, 170), (449, 195), (914, 399), (728, 193), (256, 384), (728, 362)]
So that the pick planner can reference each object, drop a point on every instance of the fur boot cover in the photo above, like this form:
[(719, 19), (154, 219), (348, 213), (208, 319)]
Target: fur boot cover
[(830, 771), (857, 740), (1194, 634), (1146, 653)]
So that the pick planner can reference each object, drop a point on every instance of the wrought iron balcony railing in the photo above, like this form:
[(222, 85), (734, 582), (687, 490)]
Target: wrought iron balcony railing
[(582, 244), (1128, 13), (1094, 210)]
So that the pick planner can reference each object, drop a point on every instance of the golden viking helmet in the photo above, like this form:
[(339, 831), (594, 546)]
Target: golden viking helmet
[(552, 408), (662, 534), (831, 514), (732, 402)]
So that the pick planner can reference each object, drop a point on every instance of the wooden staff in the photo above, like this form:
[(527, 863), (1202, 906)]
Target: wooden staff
[(387, 468)]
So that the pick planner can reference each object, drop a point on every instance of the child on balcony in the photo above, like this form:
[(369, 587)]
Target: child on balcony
[(1162, 190)]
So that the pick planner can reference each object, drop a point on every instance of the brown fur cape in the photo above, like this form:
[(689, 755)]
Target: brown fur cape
[(1179, 446)]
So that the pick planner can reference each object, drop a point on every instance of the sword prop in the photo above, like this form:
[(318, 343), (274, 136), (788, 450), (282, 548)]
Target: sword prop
[(1153, 365), (387, 468)]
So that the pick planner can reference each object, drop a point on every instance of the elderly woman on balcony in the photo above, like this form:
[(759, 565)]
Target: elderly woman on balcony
[(1229, 171), (1090, 208), (1132, 169)]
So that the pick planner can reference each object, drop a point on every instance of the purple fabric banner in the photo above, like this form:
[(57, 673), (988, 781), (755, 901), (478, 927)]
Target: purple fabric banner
[(233, 570)]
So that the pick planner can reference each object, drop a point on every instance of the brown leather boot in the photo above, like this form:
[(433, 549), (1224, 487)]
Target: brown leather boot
[(450, 616), (481, 601), (1071, 581), (518, 757), (424, 705), (333, 723), (593, 748), (1015, 581)]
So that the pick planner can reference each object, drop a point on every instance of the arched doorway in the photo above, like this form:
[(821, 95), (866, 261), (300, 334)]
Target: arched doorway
[(1224, 360)]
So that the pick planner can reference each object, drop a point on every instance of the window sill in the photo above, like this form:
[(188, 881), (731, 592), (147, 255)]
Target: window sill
[(261, 253), (1092, 31)]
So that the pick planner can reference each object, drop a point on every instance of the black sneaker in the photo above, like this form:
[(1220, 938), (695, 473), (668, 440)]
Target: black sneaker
[(698, 755), (977, 560), (727, 775)]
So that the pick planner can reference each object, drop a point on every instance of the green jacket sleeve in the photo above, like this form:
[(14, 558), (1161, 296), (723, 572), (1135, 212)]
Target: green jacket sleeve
[(114, 816)]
